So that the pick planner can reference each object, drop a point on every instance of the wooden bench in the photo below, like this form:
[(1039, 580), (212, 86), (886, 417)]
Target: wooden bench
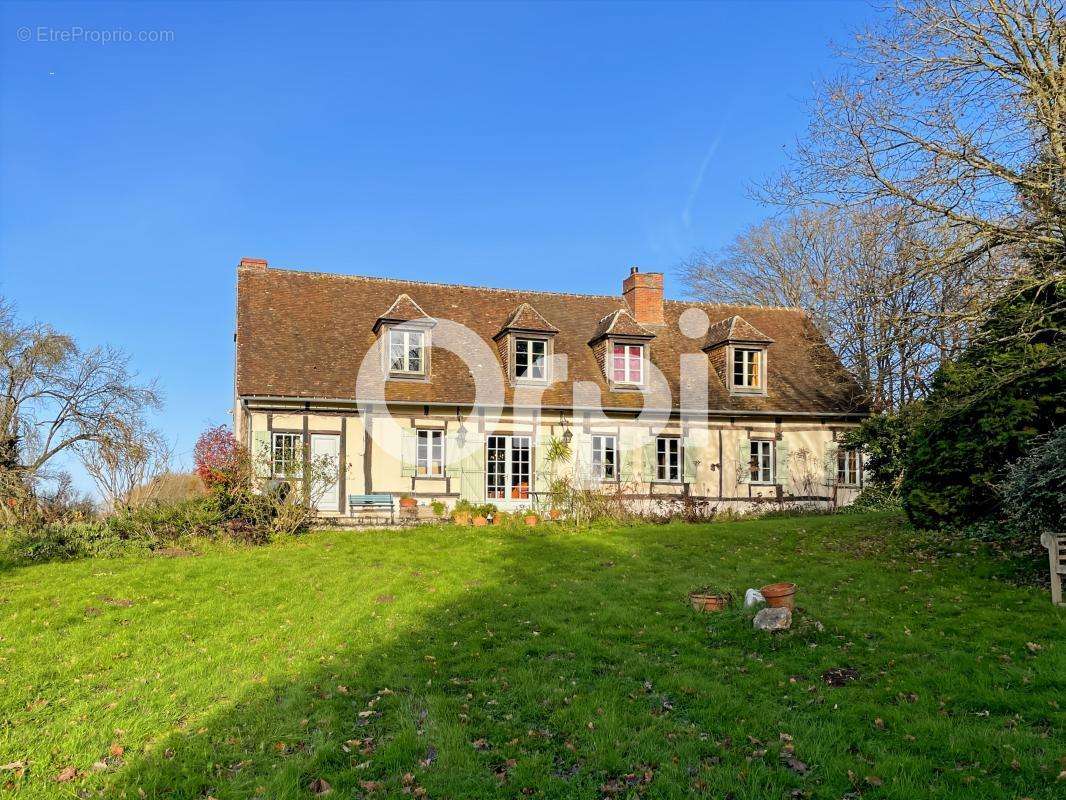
[(1056, 550), (361, 502)]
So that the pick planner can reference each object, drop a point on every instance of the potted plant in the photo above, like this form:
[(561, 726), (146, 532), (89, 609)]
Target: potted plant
[(479, 521), (780, 595), (406, 501), (531, 519), (439, 509), (555, 514), (708, 599), (462, 512)]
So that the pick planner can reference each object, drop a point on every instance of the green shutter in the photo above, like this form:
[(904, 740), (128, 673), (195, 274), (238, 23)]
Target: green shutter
[(744, 460), (541, 470), (782, 474), (624, 459), (472, 482), (261, 456), (690, 454), (452, 452), (407, 453), (831, 464), (650, 462)]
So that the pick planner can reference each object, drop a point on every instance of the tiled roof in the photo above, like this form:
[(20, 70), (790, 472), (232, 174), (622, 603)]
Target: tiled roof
[(305, 335), (527, 318), (735, 329), (621, 323), (403, 309)]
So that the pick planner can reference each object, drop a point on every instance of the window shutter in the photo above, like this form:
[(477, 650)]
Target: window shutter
[(453, 468), (541, 471), (650, 462), (782, 475), (472, 482), (407, 453), (261, 455), (624, 461), (831, 464), (691, 454), (744, 460)]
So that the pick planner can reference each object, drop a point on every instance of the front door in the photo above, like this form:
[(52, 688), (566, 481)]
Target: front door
[(508, 470), (329, 491)]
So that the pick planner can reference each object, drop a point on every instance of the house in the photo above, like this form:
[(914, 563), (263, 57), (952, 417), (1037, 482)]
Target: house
[(442, 392)]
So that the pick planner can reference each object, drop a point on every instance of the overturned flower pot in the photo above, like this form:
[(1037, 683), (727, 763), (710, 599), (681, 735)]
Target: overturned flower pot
[(707, 600), (780, 595)]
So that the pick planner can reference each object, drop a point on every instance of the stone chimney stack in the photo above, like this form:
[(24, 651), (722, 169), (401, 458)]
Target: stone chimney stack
[(643, 292)]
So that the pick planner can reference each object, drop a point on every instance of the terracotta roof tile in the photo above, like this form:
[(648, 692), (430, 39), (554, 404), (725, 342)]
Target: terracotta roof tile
[(527, 318), (403, 309), (734, 329), (305, 335), (621, 323)]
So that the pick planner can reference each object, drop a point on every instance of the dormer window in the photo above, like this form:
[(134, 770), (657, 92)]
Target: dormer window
[(627, 364), (748, 368), (407, 352), (530, 359)]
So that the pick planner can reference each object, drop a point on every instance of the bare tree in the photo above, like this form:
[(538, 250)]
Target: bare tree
[(858, 276), (55, 396), (126, 461), (955, 109)]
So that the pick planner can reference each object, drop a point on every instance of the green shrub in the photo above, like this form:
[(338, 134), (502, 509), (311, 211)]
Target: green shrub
[(986, 409), (1033, 494)]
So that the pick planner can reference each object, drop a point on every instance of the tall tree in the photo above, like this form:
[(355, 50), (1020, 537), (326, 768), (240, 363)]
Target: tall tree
[(55, 395), (955, 109), (857, 275)]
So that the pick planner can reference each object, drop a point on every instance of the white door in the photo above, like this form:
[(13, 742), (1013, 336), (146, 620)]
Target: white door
[(326, 444)]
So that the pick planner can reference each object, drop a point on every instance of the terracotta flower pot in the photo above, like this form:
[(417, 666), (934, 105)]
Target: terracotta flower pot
[(706, 600), (480, 522), (556, 513), (461, 518), (780, 595), (408, 502), (531, 520)]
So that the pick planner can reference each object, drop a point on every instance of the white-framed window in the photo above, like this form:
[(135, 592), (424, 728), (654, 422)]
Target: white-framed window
[(848, 466), (747, 368), (286, 454), (530, 359), (407, 351), (429, 453), (627, 363), (668, 458), (604, 458), (761, 464)]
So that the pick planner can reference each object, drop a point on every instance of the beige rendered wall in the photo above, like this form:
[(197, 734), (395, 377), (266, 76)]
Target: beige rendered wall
[(715, 442)]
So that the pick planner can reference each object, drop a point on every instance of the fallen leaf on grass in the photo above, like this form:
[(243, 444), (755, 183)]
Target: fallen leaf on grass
[(14, 765), (794, 764), (117, 750), (1034, 647), (68, 774), (320, 787)]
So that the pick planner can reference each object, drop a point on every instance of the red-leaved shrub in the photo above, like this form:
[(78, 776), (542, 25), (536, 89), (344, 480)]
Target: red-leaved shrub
[(219, 458)]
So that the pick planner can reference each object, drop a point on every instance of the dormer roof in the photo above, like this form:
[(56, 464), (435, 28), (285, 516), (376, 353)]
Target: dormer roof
[(734, 329), (527, 318), (403, 309), (621, 323)]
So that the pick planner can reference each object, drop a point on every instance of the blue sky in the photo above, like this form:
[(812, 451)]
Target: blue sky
[(519, 145)]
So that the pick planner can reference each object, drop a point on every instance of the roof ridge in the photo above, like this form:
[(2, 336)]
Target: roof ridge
[(379, 279), (503, 290)]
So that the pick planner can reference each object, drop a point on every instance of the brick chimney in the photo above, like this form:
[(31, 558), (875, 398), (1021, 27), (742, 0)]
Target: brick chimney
[(253, 263), (643, 292)]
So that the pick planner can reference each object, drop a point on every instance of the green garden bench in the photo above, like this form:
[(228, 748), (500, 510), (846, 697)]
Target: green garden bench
[(1056, 550), (360, 502)]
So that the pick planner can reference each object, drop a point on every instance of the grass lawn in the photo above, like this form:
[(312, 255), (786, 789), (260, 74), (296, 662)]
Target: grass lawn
[(456, 663)]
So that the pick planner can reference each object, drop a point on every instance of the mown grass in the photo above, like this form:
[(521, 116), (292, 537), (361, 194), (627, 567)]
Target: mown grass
[(455, 663)]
